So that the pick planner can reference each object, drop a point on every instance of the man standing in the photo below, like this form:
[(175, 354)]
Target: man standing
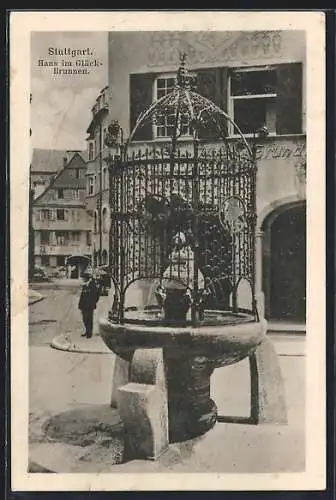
[(87, 303)]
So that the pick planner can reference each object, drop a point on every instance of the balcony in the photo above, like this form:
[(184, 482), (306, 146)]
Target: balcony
[(80, 249), (63, 225), (101, 102)]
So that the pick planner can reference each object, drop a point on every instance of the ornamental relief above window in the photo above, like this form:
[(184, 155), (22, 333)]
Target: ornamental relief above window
[(203, 47)]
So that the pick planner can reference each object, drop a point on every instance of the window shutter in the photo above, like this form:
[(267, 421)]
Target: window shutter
[(212, 84), (66, 214), (289, 99), (141, 95)]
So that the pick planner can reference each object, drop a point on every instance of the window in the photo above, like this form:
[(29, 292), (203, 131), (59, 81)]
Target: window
[(104, 257), (77, 173), (60, 260), (145, 88), (90, 185), (60, 214), (165, 123), (60, 193), (95, 223), (252, 100), (62, 238), (91, 151), (105, 220), (105, 178), (270, 97), (252, 96), (75, 215), (75, 194), (97, 145), (45, 237), (88, 238), (76, 236), (46, 214), (45, 260)]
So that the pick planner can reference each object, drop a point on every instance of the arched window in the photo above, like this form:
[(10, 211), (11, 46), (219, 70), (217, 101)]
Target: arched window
[(104, 258), (105, 178), (105, 220)]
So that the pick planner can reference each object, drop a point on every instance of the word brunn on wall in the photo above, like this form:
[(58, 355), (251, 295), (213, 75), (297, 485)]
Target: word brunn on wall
[(280, 151)]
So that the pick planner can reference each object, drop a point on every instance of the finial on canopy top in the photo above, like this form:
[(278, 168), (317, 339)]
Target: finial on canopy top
[(184, 78)]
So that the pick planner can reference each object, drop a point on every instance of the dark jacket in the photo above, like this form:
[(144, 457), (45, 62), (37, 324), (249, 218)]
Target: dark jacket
[(89, 296)]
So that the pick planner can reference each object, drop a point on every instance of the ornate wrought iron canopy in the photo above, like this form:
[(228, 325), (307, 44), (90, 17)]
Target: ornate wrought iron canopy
[(183, 218), (188, 111)]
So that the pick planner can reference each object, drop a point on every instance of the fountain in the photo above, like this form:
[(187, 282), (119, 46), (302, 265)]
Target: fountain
[(183, 218)]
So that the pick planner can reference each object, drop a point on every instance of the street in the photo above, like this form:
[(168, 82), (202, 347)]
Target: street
[(58, 313)]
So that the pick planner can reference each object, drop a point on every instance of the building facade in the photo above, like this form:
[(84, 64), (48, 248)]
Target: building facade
[(97, 179), (45, 164), (62, 231), (259, 79)]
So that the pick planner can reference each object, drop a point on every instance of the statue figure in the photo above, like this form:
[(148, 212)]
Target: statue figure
[(175, 293)]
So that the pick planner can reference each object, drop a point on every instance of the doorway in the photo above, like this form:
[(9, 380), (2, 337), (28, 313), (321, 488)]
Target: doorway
[(76, 265), (285, 286)]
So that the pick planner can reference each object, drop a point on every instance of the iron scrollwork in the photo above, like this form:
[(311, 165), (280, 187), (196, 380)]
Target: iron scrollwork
[(204, 191)]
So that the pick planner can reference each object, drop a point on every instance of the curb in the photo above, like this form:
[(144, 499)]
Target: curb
[(35, 301), (64, 343), (34, 296), (36, 467), (55, 286)]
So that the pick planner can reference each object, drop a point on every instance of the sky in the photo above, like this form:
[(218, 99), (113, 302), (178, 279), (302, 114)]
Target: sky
[(61, 104)]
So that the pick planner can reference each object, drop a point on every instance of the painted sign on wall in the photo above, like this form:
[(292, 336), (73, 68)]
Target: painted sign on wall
[(275, 151)]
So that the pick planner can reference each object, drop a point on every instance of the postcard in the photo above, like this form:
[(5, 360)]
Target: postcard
[(167, 185)]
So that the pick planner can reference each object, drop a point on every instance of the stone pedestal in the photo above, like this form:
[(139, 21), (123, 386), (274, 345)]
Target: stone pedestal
[(268, 403), (260, 298), (120, 377), (191, 410), (170, 373), (143, 406)]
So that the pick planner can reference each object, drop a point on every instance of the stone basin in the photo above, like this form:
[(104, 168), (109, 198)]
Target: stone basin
[(224, 337), (190, 355)]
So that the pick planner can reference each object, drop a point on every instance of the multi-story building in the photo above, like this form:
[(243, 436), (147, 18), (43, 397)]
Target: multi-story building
[(97, 180), (258, 78), (44, 167), (61, 224)]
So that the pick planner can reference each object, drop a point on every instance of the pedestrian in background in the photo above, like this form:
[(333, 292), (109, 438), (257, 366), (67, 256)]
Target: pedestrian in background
[(89, 297)]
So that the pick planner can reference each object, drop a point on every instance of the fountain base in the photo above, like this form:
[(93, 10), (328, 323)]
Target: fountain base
[(189, 357), (191, 411)]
